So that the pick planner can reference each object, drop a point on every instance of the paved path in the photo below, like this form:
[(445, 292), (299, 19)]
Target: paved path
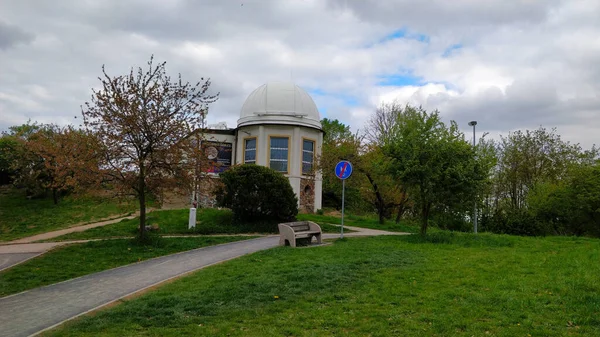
[(38, 309)]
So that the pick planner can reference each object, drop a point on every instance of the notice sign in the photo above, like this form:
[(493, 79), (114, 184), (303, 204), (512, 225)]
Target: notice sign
[(218, 154)]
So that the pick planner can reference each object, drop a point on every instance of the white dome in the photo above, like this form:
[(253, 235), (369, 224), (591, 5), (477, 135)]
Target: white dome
[(280, 103)]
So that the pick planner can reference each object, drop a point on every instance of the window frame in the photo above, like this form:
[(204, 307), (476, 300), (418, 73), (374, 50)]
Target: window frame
[(255, 150), (289, 150), (314, 141)]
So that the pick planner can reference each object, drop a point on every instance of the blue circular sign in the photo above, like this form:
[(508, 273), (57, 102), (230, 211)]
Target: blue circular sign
[(343, 169)]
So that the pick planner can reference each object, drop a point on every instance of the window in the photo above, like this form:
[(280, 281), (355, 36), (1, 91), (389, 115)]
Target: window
[(278, 160), (308, 156), (250, 151)]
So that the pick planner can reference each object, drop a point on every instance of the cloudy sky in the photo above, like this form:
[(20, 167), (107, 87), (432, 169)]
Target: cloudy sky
[(509, 64)]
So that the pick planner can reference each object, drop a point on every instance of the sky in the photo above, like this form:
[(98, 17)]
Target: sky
[(509, 64)]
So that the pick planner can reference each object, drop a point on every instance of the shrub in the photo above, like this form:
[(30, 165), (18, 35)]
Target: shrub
[(257, 194)]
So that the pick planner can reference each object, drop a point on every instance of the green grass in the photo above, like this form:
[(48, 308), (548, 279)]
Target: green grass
[(20, 217), (445, 285), (361, 221), (175, 222), (81, 259)]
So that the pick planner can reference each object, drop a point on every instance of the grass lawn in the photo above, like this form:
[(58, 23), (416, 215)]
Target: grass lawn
[(447, 285), (170, 222), (76, 260), (20, 217), (362, 221)]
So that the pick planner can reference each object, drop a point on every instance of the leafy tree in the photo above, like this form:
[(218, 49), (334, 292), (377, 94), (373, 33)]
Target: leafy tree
[(570, 206), (335, 131), (528, 191), (145, 123), (339, 143), (379, 188), (377, 132), (371, 187), (8, 151), (67, 159), (530, 157), (256, 193), (434, 161)]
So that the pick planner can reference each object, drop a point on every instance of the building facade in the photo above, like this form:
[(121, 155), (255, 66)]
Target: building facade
[(279, 127)]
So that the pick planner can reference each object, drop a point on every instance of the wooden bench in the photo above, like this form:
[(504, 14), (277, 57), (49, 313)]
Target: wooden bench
[(289, 232)]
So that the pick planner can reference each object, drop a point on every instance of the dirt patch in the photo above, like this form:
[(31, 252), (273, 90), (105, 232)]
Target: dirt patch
[(334, 213)]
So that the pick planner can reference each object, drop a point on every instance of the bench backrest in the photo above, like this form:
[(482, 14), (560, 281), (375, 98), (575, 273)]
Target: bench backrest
[(300, 226)]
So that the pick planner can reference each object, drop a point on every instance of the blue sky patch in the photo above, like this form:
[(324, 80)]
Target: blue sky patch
[(404, 33), (399, 80), (450, 50), (348, 100)]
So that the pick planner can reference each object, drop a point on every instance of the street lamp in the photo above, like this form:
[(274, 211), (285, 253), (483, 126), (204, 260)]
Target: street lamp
[(473, 123)]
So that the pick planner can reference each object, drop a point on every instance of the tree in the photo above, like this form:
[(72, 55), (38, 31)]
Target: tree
[(379, 188), (339, 143), (8, 151), (434, 161), (335, 131), (67, 159), (257, 193), (377, 132), (145, 122)]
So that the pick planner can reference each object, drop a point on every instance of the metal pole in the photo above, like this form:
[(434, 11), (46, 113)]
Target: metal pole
[(475, 201), (343, 197)]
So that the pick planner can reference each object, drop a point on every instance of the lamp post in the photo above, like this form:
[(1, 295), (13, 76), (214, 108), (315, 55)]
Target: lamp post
[(473, 123)]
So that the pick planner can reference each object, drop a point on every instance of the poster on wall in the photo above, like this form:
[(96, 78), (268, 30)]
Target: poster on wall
[(218, 154)]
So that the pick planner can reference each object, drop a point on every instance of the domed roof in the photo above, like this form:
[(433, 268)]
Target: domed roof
[(280, 103)]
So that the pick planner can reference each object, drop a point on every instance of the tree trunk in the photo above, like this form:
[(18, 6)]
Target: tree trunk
[(424, 218), (379, 203), (401, 210), (401, 206), (142, 198), (55, 196)]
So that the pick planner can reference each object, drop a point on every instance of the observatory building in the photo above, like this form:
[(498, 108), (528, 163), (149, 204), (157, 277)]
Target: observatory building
[(279, 127)]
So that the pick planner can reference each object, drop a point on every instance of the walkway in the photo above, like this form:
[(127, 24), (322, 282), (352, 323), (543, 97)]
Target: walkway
[(37, 310)]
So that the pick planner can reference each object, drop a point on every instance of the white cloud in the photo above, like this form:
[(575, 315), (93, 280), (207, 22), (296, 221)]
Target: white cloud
[(508, 64)]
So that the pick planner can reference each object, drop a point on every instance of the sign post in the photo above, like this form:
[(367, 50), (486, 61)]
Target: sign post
[(343, 170)]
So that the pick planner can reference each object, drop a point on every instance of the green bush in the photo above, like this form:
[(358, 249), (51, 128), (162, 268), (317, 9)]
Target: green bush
[(257, 194), (514, 222)]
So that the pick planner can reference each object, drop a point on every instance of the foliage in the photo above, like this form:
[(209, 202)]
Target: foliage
[(257, 194), (445, 284), (370, 188), (76, 260), (67, 157), (338, 144), (335, 132), (8, 151), (570, 206), (532, 190), (434, 161), (145, 122)]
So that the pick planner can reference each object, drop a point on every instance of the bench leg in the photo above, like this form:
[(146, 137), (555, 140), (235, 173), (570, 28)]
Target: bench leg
[(318, 236), (293, 242)]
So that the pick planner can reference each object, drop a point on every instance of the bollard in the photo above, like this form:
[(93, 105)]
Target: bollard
[(192, 222)]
